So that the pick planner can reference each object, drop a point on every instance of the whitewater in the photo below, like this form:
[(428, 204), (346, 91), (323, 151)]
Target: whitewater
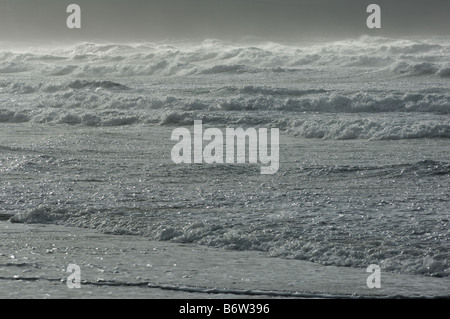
[(364, 153)]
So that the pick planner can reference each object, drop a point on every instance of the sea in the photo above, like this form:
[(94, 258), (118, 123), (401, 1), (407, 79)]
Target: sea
[(364, 150)]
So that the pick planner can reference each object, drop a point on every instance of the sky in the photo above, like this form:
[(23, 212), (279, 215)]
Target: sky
[(130, 20)]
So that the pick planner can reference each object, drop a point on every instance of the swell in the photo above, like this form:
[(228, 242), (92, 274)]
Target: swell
[(417, 170), (338, 127)]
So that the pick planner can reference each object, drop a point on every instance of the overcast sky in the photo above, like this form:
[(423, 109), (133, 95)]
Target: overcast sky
[(128, 20)]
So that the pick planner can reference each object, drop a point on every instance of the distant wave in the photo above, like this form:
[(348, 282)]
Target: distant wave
[(333, 90), (328, 127), (235, 98), (305, 113), (421, 68), (405, 57)]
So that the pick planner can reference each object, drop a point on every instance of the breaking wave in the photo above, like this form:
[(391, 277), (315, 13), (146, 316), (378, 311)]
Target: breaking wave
[(409, 57), (307, 89), (324, 239), (309, 113)]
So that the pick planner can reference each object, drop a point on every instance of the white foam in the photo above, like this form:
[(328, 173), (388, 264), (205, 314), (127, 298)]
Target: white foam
[(416, 57)]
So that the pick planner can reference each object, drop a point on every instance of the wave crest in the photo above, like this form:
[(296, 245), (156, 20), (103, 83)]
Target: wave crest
[(411, 57)]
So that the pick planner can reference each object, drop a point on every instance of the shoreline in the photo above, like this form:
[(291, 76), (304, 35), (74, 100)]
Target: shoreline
[(34, 260)]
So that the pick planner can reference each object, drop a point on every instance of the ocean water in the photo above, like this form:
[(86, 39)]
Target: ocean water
[(364, 147)]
